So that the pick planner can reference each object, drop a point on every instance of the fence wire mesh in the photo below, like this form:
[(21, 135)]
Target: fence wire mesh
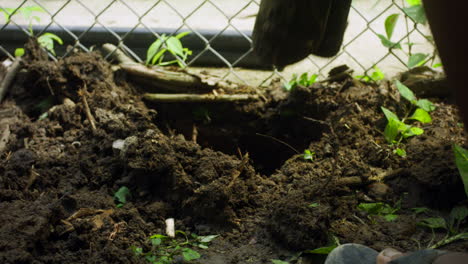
[(122, 20)]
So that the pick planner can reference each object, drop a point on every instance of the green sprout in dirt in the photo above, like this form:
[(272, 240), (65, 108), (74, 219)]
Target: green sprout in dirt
[(121, 196), (164, 44), (416, 13), (452, 226), (376, 75), (380, 209), (303, 80), (47, 40), (165, 250), (398, 130), (309, 155)]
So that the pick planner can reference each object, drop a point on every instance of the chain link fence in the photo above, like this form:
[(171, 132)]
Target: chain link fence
[(220, 33)]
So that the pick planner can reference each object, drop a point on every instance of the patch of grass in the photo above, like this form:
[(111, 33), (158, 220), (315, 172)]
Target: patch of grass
[(165, 44), (166, 250)]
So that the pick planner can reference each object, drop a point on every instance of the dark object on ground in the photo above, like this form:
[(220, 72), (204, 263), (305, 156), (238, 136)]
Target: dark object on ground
[(288, 31)]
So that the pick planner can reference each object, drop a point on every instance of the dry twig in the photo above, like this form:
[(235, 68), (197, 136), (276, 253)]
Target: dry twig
[(9, 77)]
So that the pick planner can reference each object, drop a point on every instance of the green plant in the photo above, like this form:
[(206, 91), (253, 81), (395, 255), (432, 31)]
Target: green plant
[(376, 75), (416, 13), (25, 11), (165, 249), (164, 44), (452, 226), (303, 80), (380, 209), (47, 40), (461, 160), (309, 155), (397, 130), (121, 195)]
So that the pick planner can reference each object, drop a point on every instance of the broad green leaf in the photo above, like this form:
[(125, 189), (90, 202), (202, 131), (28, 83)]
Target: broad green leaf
[(390, 23), (392, 130), (434, 223), (405, 92), (19, 52), (416, 12), (27, 11), (322, 250), (421, 116), (459, 213), (413, 131), (154, 48), (420, 210), (48, 35), (377, 75), (417, 60), (313, 79), (437, 65), (175, 46), (387, 43), (207, 239), (156, 241), (389, 114), (461, 160), (371, 208), (190, 254), (413, 2), (304, 79), (425, 104), (400, 152), (390, 217), (122, 194), (182, 34), (277, 261)]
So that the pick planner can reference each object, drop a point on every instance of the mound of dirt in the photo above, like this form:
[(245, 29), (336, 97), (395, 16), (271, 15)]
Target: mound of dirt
[(75, 131)]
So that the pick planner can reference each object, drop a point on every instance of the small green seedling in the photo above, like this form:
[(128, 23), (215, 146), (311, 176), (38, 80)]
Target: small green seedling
[(457, 216), (164, 44), (309, 155), (376, 75), (303, 80), (397, 130), (121, 196), (380, 209), (461, 160), (165, 249), (47, 40)]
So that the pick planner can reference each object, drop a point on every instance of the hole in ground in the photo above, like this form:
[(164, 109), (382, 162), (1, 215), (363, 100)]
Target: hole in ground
[(270, 139)]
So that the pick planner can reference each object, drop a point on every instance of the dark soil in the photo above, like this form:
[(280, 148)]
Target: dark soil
[(58, 175)]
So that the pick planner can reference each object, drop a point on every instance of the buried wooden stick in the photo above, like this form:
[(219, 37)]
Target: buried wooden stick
[(157, 76), (199, 98), (9, 77)]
